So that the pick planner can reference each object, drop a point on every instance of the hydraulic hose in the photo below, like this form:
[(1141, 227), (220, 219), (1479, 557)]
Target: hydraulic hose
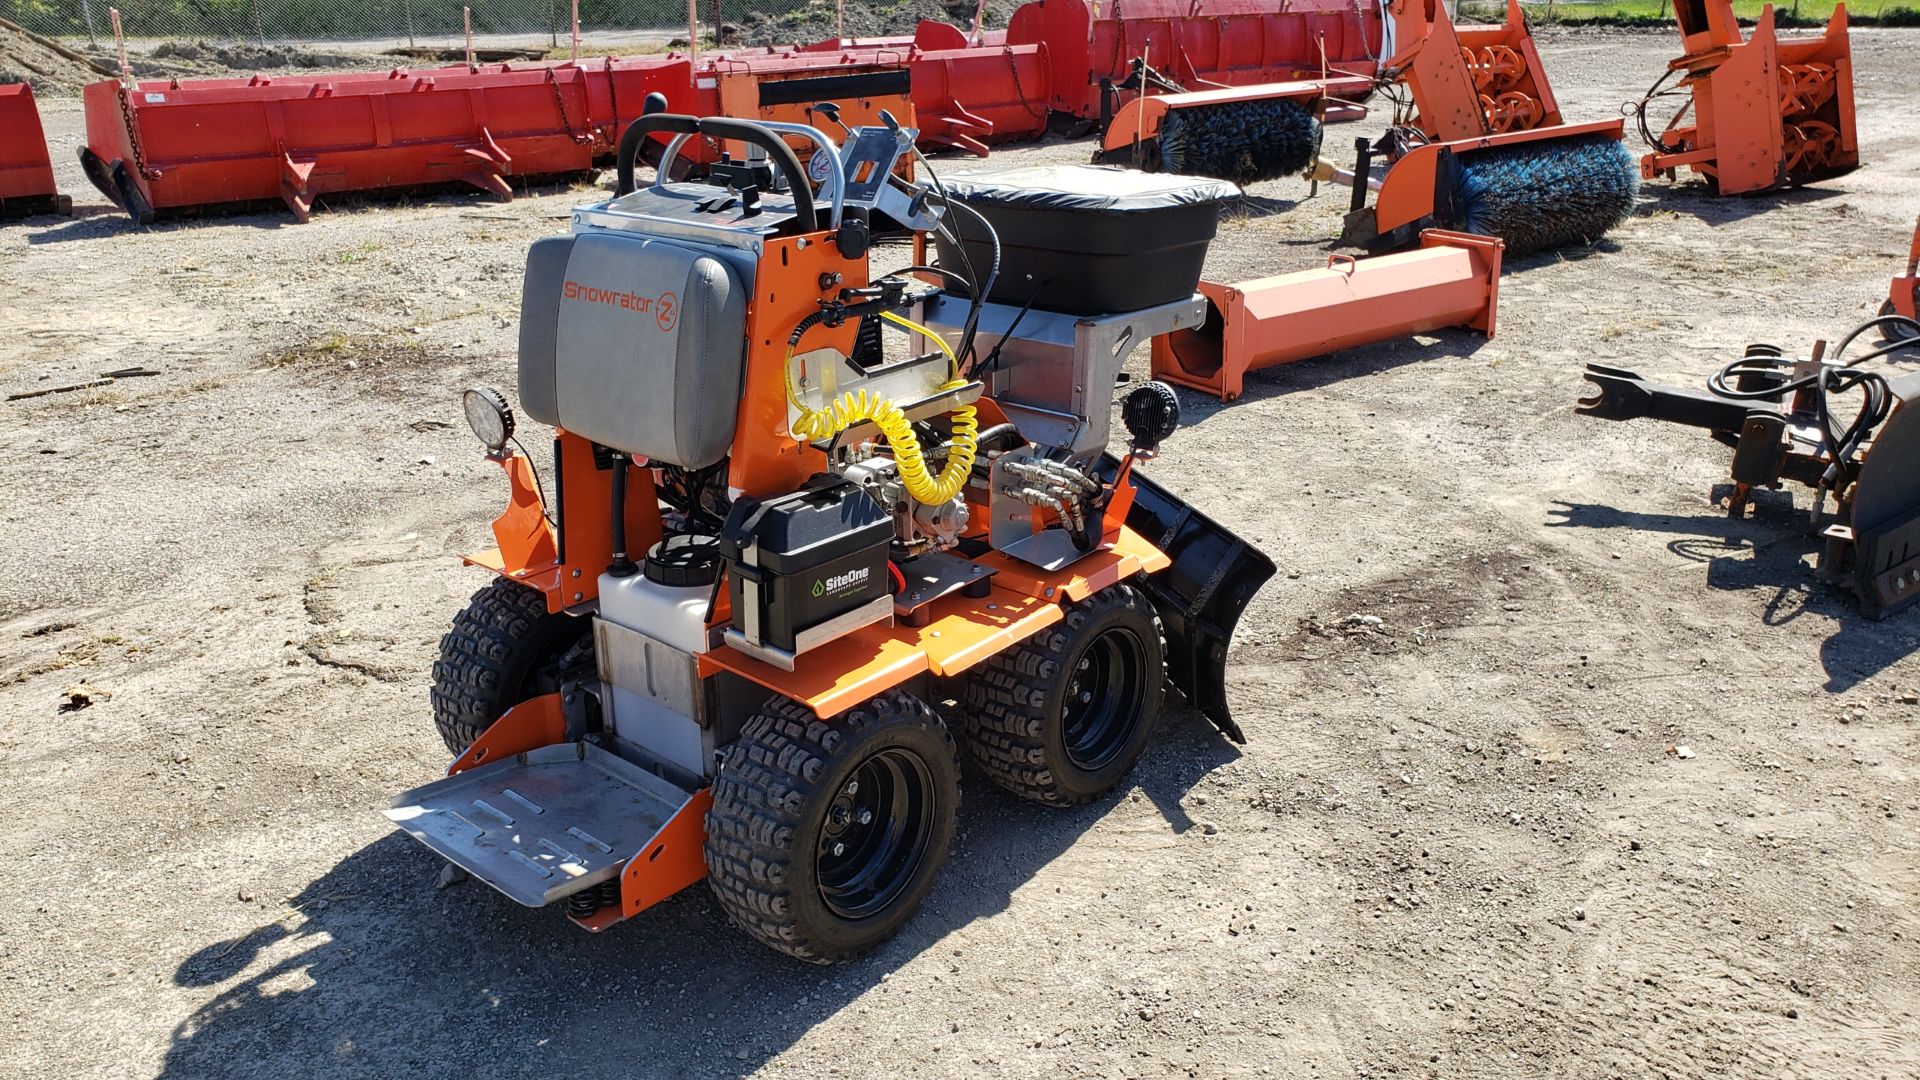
[(855, 406)]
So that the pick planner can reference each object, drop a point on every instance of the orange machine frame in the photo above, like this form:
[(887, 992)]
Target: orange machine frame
[(1903, 296), (1767, 113), (1469, 81)]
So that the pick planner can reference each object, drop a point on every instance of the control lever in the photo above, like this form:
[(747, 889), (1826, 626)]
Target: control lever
[(831, 110)]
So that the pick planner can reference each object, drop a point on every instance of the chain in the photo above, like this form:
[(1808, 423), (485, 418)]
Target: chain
[(560, 104), (1014, 66), (133, 137), (613, 101)]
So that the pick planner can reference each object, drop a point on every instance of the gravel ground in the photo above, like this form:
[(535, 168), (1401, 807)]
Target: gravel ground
[(1461, 843)]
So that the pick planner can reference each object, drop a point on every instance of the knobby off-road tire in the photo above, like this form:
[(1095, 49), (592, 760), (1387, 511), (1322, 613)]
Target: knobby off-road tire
[(825, 836), (503, 648), (1061, 718)]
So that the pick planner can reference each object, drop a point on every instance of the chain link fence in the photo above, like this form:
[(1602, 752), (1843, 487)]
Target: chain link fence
[(289, 21)]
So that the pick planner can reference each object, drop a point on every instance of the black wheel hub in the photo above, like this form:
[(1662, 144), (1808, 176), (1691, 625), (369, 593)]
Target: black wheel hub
[(876, 833), (1104, 695)]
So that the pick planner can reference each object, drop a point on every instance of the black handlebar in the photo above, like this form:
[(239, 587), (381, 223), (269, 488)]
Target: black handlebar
[(719, 127)]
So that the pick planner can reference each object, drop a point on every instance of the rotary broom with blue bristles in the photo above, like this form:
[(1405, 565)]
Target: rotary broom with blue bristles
[(1476, 142), (1536, 190), (1545, 195)]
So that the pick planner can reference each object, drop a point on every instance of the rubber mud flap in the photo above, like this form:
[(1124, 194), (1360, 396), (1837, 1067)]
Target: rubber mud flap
[(100, 174), (1200, 597)]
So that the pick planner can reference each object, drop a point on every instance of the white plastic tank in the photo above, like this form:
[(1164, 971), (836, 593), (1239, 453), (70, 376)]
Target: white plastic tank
[(653, 603)]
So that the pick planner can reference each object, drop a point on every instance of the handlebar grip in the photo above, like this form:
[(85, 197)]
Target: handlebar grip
[(636, 133)]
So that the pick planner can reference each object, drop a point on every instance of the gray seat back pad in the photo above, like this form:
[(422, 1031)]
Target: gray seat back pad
[(636, 344)]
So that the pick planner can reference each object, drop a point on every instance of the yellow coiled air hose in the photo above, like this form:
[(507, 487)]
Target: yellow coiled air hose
[(856, 405)]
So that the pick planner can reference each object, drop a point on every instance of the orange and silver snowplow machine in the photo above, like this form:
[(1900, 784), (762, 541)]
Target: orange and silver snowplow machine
[(781, 570), (1478, 144), (1758, 113)]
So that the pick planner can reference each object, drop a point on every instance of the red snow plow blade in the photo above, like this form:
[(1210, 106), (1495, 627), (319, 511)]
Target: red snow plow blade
[(174, 145), (26, 176)]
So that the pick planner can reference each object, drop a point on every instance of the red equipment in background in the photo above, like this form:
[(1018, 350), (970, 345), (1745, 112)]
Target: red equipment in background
[(1903, 296), (26, 175), (167, 145)]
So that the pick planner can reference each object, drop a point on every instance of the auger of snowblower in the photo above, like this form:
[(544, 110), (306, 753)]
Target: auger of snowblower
[(1754, 113), (1847, 430), (795, 506)]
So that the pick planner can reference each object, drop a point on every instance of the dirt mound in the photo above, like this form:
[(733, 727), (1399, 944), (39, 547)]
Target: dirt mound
[(244, 57), (815, 21), (26, 58)]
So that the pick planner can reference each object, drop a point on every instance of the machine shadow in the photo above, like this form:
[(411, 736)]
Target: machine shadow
[(1313, 373), (1696, 200), (94, 221), (387, 975), (1858, 649)]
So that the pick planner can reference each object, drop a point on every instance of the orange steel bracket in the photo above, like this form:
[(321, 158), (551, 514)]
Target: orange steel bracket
[(1452, 279), (674, 859), (530, 725), (1903, 297), (530, 552), (1475, 80), (525, 536)]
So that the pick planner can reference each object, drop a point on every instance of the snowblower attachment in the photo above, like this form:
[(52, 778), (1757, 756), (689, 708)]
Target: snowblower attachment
[(26, 175), (1482, 147), (1452, 279), (1777, 414), (1766, 113)]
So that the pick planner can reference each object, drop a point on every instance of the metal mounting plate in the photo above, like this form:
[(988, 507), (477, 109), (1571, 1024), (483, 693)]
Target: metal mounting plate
[(544, 824), (932, 576)]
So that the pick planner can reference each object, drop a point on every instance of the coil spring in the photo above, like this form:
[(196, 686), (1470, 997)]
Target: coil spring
[(583, 904)]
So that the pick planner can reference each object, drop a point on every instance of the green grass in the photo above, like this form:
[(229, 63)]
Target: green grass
[(1660, 12)]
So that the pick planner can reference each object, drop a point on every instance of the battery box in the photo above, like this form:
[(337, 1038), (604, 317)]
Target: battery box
[(805, 568)]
